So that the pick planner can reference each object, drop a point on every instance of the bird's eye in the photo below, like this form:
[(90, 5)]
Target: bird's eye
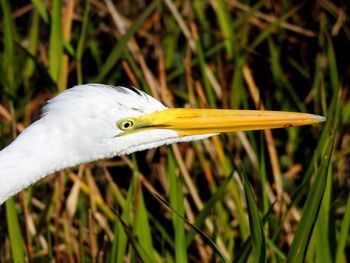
[(126, 124)]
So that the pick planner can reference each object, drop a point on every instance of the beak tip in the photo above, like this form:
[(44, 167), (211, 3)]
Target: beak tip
[(321, 118), (317, 118)]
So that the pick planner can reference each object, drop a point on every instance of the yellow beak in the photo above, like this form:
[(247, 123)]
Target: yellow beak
[(205, 121)]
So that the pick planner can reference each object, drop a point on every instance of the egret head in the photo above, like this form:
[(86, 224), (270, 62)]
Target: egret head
[(100, 121), (90, 121), (96, 121)]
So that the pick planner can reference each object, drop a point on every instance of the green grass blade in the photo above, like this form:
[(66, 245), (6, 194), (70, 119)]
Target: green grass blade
[(202, 65), (256, 227), (194, 62), (225, 23), (344, 234), (56, 41), (318, 149), (207, 239), (114, 245), (205, 212), (333, 71), (276, 250), (262, 173), (245, 251), (94, 46), (324, 229), (199, 12), (269, 29), (121, 239), (346, 113), (16, 241), (170, 45), (238, 90), (142, 227), (40, 68), (243, 19), (40, 6), (177, 202), (280, 78), (163, 230), (33, 45), (311, 209), (120, 243), (118, 49), (137, 71), (140, 252), (81, 42), (321, 231), (8, 58), (124, 229)]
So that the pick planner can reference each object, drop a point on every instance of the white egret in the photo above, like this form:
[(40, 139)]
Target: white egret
[(94, 121)]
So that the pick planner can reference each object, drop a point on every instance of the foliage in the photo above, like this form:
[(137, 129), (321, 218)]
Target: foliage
[(255, 196)]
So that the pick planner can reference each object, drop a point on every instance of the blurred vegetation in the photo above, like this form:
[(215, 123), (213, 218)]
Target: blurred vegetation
[(256, 196)]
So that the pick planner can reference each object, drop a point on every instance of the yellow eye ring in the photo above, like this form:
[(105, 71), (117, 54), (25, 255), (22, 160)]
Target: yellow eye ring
[(126, 124)]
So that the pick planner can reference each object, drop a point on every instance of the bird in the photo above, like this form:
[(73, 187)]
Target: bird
[(94, 121)]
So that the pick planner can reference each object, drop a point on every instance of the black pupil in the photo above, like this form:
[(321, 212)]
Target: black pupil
[(127, 125)]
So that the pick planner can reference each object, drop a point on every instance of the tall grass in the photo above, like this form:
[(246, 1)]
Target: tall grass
[(240, 197)]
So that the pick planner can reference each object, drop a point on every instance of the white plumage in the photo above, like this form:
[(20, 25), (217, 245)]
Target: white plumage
[(79, 126), (94, 121)]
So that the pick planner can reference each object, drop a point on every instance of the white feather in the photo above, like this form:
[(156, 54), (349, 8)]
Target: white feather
[(79, 126)]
